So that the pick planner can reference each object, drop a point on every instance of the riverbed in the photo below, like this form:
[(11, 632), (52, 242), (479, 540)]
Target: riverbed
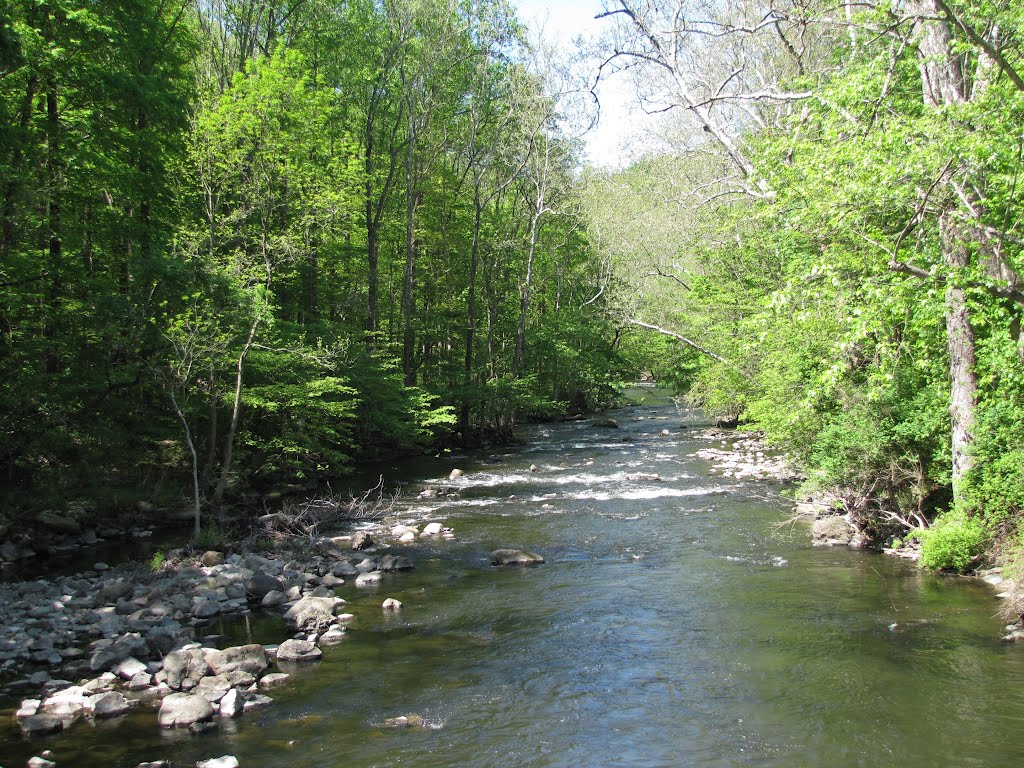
[(675, 622)]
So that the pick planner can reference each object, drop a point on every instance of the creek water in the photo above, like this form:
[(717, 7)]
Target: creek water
[(674, 623)]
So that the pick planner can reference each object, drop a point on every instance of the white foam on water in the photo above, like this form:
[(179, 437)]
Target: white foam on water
[(642, 493)]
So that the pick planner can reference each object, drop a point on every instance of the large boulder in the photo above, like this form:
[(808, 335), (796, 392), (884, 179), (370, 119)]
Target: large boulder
[(42, 725), (833, 530), (232, 705), (390, 563), (298, 650), (257, 585), (180, 710), (247, 658), (312, 614), (514, 557)]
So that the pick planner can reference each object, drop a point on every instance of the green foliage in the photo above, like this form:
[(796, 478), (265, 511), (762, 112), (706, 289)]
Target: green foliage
[(953, 543), (210, 536), (156, 563)]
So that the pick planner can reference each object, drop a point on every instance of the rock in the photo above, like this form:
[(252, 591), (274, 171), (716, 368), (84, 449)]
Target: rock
[(665, 433), (312, 614), (832, 531), (390, 563), (362, 540), (198, 729), (213, 688), (298, 650), (534, 468), (407, 537), (259, 584), (332, 636), (70, 702), (154, 764), (514, 557), (39, 762), (345, 570), (274, 679), (140, 682), (227, 761), (257, 700), (369, 579), (366, 565), (391, 605), (605, 424), (211, 557), (8, 552), (330, 581), (42, 725), (28, 708), (232, 705), (455, 474), (129, 668), (58, 522), (180, 710), (185, 668), (432, 529), (110, 704), (251, 659), (274, 598), (112, 591)]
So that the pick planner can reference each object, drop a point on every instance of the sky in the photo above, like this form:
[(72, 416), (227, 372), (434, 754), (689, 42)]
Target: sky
[(621, 125)]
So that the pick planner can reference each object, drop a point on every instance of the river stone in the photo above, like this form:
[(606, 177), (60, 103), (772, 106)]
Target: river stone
[(70, 702), (180, 710), (39, 762), (232, 704), (246, 658), (274, 679), (185, 668), (312, 614), (227, 761), (114, 590), (390, 563), (259, 584), (605, 423), (110, 704), (211, 558), (129, 668), (42, 725), (432, 529), (330, 581), (274, 598), (391, 604), (212, 688), (514, 557), (832, 531), (455, 474), (362, 540), (298, 650), (58, 522), (345, 570), (366, 565), (369, 579)]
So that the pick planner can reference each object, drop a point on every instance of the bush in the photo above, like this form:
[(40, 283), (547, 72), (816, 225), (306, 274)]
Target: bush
[(952, 543)]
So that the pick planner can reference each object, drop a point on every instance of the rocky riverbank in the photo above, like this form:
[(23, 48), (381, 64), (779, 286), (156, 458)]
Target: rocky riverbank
[(745, 456), (96, 644)]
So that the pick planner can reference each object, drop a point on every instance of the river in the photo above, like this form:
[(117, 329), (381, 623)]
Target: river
[(675, 623)]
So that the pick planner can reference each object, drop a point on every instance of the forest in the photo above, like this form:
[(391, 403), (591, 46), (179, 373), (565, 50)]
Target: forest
[(254, 242)]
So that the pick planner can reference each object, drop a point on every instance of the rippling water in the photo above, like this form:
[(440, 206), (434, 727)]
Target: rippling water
[(675, 623)]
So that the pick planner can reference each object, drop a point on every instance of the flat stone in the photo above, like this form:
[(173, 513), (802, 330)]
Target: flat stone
[(274, 679), (232, 705), (180, 710), (129, 668), (518, 557), (110, 704), (298, 650), (369, 579), (432, 529)]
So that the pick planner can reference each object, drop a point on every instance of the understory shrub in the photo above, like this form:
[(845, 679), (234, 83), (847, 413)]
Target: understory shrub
[(952, 543)]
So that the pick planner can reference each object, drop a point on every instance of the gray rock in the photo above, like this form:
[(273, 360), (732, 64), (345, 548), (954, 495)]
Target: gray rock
[(180, 710), (298, 650), (140, 682), (227, 761), (273, 598), (39, 762), (8, 552), (198, 729), (605, 424), (42, 725), (274, 679), (391, 563), (112, 591), (58, 522), (369, 579), (129, 668), (832, 531), (455, 474), (212, 688), (185, 668), (206, 609), (362, 540), (232, 705), (257, 700), (366, 565), (312, 614), (515, 557), (391, 605), (110, 704), (259, 584), (330, 581), (345, 570), (251, 659)]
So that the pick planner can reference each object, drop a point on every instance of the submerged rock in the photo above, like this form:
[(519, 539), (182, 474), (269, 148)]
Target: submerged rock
[(515, 557)]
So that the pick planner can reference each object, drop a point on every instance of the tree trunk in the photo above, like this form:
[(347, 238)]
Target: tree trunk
[(474, 255)]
